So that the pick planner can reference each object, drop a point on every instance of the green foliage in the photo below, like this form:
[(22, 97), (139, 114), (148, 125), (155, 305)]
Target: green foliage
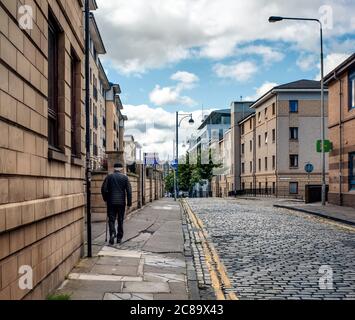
[(169, 182), (55, 297)]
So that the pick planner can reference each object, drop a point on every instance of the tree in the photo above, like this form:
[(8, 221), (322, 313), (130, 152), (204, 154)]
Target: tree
[(169, 182)]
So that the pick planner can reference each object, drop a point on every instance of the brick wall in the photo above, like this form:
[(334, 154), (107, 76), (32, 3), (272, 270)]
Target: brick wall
[(41, 192)]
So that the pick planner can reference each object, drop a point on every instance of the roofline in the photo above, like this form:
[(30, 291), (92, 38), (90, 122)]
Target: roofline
[(340, 69), (93, 20), (247, 118), (274, 91), (227, 111), (103, 73)]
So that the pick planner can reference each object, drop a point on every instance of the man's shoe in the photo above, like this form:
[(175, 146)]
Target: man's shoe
[(119, 241), (112, 240)]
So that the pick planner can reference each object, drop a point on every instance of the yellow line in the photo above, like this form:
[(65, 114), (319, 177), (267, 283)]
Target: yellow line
[(219, 274)]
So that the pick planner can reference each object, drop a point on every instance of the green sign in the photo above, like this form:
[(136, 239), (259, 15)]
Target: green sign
[(328, 146)]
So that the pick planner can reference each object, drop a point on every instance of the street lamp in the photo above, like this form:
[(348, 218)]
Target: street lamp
[(177, 126), (273, 19)]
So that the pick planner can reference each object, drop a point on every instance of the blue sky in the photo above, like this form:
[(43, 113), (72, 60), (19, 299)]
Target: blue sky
[(171, 55)]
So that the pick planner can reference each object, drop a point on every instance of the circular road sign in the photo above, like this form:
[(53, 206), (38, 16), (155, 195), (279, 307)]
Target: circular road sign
[(309, 168)]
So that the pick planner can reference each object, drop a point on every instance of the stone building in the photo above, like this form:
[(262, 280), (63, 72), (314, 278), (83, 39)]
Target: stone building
[(341, 83), (99, 84), (280, 139), (42, 137)]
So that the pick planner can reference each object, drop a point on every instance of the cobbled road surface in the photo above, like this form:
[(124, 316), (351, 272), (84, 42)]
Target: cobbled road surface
[(272, 253)]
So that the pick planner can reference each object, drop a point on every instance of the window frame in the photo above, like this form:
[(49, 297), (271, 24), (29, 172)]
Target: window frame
[(291, 130), (297, 186), (290, 106), (351, 86), (296, 157), (53, 77), (351, 171)]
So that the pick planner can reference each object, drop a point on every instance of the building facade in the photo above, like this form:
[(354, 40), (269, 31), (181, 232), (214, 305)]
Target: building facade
[(42, 137), (99, 84), (280, 139), (341, 83)]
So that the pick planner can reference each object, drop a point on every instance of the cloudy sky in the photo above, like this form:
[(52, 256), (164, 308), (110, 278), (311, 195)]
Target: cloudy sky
[(194, 55)]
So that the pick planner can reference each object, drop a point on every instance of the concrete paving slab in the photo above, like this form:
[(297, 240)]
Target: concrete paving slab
[(115, 270), (112, 252), (128, 296), (164, 277), (118, 261), (146, 287), (100, 277), (155, 269)]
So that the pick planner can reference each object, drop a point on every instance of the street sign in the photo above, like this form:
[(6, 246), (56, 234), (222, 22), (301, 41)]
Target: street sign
[(328, 146), (151, 159), (174, 164), (309, 168)]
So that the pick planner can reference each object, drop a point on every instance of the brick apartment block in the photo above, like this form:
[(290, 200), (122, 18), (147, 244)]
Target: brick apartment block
[(341, 83), (41, 144)]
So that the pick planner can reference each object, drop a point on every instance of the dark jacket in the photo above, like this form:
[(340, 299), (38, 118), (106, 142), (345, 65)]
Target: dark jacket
[(116, 188)]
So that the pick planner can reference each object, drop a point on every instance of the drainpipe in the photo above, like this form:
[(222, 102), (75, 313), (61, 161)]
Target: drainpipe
[(341, 147)]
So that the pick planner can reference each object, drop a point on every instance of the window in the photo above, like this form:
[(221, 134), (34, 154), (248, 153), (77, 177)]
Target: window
[(273, 109), (265, 113), (243, 186), (243, 168), (266, 164), (242, 129), (259, 164), (352, 171), (293, 106), (293, 133), (75, 105), (251, 166), (352, 90), (273, 135), (265, 137), (243, 149), (293, 161), (293, 187), (259, 140), (259, 116), (251, 145), (251, 124), (273, 162), (53, 32)]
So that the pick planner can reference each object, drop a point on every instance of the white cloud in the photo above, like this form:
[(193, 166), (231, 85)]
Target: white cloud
[(165, 96), (185, 77), (154, 128), (239, 71), (307, 62), (265, 87), (140, 35), (268, 54)]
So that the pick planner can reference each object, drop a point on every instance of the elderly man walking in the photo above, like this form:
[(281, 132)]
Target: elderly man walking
[(117, 193)]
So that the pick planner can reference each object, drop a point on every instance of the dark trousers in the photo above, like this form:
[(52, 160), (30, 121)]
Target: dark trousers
[(116, 212)]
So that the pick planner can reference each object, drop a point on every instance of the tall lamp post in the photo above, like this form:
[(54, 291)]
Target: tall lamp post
[(87, 138), (177, 126), (277, 19)]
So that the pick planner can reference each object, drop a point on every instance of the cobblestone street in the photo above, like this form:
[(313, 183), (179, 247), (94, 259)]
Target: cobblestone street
[(272, 253)]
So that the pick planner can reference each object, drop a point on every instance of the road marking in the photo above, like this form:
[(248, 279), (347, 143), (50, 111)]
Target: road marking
[(219, 277)]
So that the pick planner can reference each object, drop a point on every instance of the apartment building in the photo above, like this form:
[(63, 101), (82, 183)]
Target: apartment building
[(341, 83), (99, 84), (114, 119), (222, 181), (41, 143), (280, 139)]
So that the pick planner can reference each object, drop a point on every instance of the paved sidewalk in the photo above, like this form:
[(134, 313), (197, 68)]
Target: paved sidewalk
[(336, 213), (148, 265)]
